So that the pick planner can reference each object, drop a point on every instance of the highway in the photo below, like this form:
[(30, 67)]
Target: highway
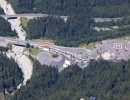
[(65, 18), (32, 15), (108, 50), (74, 55)]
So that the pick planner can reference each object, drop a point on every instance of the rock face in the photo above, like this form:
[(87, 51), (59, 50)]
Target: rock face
[(17, 52), (23, 62)]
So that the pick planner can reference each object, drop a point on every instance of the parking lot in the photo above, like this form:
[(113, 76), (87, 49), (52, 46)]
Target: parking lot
[(112, 50), (108, 50)]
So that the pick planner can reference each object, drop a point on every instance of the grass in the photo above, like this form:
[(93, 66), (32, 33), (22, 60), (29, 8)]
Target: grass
[(33, 51), (25, 51), (127, 38), (44, 41), (125, 26), (24, 21), (13, 37), (90, 45), (54, 55)]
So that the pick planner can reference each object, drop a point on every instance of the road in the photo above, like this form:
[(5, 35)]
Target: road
[(106, 19), (65, 18), (108, 50), (74, 55)]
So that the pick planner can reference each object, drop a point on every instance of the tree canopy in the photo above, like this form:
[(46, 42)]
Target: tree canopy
[(5, 28), (79, 28), (101, 79), (97, 8), (10, 74), (1, 11)]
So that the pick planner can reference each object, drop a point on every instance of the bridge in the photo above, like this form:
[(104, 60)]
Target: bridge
[(65, 18), (31, 16)]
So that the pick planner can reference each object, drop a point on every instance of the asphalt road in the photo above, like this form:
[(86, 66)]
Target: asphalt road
[(74, 55), (32, 15), (106, 19), (63, 17), (79, 56)]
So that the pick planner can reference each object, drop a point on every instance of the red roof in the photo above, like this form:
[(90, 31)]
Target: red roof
[(46, 46)]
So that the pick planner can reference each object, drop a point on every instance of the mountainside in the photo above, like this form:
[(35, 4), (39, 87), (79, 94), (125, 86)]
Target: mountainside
[(5, 28), (1, 11), (96, 8), (10, 74), (101, 79), (80, 27), (76, 31)]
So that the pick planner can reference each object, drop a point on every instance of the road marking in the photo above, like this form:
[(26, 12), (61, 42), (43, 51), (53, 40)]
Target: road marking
[(117, 45)]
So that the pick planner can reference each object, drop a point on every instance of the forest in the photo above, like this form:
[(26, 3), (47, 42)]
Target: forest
[(78, 29), (10, 74), (71, 33), (96, 8), (5, 28), (1, 11), (104, 80), (75, 31), (4, 49)]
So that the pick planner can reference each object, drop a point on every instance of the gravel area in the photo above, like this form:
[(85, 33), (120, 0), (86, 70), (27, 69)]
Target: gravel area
[(22, 60)]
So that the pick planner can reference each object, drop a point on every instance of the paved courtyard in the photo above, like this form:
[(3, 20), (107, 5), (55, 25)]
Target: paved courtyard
[(112, 50)]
